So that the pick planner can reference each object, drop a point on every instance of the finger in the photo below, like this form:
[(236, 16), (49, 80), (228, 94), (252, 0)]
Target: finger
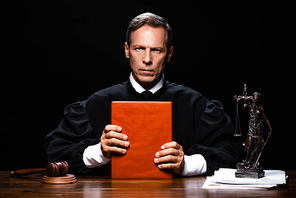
[(117, 143), (177, 167), (167, 166), (109, 128), (167, 159), (165, 152), (172, 144), (116, 135), (114, 149)]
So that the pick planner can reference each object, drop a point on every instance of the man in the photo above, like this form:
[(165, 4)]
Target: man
[(202, 132)]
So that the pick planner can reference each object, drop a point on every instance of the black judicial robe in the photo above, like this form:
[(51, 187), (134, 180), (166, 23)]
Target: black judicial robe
[(199, 125)]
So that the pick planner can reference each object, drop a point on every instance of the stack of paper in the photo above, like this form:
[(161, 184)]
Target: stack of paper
[(225, 179)]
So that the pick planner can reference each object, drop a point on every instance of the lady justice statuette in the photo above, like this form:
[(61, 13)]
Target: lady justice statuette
[(254, 143)]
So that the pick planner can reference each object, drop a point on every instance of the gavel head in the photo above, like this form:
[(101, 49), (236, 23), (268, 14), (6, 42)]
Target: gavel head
[(57, 168)]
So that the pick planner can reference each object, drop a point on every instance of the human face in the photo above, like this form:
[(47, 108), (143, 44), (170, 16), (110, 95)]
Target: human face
[(148, 55), (256, 98)]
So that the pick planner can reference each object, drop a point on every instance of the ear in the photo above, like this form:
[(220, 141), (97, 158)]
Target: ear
[(126, 49), (170, 54)]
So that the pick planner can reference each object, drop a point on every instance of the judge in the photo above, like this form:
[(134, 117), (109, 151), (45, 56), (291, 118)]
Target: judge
[(202, 133)]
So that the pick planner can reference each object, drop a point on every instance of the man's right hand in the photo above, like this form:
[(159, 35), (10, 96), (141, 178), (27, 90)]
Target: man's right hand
[(113, 141)]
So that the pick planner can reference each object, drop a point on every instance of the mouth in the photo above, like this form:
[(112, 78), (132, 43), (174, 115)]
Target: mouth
[(146, 71)]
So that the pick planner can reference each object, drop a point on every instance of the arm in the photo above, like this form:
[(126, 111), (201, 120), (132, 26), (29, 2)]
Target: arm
[(213, 148), (75, 141), (69, 140), (113, 141), (215, 140), (171, 156), (245, 90), (267, 122)]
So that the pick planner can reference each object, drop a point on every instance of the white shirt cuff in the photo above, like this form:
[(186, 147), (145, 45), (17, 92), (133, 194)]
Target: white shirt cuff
[(194, 165), (93, 156)]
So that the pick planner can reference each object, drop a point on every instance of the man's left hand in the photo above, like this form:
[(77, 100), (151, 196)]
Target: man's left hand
[(171, 156)]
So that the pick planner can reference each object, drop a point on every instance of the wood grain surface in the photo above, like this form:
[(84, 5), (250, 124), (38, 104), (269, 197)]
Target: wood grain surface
[(104, 186)]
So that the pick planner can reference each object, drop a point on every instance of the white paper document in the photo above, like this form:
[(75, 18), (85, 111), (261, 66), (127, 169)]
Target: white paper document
[(225, 178)]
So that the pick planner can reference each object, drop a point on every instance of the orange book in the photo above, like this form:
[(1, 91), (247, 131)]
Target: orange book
[(148, 126)]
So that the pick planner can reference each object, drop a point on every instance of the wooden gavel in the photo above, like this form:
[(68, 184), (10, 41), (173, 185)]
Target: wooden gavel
[(52, 169)]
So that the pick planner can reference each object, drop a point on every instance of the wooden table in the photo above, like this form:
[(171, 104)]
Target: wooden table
[(98, 186)]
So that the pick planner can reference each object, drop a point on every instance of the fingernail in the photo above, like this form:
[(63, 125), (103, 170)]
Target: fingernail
[(155, 160), (157, 154), (124, 151), (119, 129), (162, 147), (159, 166), (126, 143), (124, 137)]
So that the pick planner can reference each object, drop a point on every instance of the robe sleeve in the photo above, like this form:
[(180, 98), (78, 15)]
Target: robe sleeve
[(215, 140), (69, 140)]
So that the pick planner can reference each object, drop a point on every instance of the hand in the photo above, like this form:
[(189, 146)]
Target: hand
[(113, 141), (171, 156)]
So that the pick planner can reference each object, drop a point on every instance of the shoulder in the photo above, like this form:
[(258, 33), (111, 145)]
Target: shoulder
[(106, 95), (117, 89), (260, 108), (184, 91), (194, 99)]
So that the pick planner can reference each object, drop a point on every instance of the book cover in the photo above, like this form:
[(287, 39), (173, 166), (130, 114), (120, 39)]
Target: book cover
[(148, 126)]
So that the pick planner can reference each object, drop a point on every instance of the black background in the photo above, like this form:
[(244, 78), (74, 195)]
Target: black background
[(60, 52)]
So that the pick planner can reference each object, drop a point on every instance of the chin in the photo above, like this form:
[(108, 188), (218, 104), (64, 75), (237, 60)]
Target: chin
[(146, 79)]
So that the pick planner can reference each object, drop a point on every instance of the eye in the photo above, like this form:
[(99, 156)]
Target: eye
[(156, 50), (139, 49)]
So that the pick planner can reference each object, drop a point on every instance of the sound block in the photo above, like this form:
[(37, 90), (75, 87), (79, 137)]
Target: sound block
[(66, 179), (250, 173)]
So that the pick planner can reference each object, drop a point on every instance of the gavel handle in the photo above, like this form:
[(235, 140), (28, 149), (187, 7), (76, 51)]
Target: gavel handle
[(22, 172)]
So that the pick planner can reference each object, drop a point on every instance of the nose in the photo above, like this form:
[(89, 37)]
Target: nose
[(147, 58)]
